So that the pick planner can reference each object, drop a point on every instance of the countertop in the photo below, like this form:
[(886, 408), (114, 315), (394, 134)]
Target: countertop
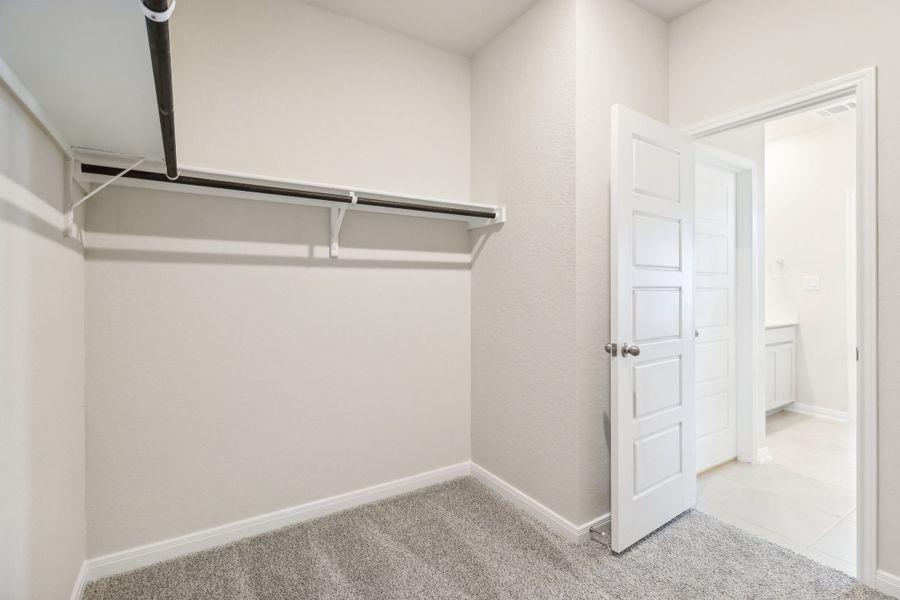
[(772, 324)]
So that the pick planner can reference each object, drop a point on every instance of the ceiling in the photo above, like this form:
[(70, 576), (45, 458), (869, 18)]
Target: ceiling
[(806, 121), (87, 63), (461, 26), (669, 9)]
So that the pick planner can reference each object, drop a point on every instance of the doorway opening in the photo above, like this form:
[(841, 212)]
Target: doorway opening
[(793, 480), (655, 258)]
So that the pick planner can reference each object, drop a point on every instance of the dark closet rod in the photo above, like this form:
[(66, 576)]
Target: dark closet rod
[(157, 20), (361, 199), (157, 13)]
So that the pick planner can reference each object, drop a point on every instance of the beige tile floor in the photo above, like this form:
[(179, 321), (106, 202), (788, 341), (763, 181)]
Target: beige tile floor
[(804, 499)]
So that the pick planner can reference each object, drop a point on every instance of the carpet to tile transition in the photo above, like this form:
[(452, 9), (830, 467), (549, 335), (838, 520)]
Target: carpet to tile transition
[(459, 540)]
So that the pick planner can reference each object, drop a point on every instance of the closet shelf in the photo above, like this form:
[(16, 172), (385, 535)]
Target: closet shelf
[(93, 167)]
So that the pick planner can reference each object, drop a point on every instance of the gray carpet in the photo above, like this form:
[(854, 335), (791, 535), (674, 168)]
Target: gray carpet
[(458, 540)]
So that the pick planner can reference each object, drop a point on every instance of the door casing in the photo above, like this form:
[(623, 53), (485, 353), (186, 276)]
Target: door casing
[(862, 86)]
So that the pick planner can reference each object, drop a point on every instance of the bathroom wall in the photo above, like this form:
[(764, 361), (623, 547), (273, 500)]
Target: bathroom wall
[(808, 176)]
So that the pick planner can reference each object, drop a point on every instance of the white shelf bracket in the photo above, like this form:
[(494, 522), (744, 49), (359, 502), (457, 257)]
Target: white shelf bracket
[(497, 220), (70, 229), (337, 219)]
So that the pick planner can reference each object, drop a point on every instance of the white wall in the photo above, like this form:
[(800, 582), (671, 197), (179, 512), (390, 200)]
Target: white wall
[(523, 277), (781, 46), (233, 370), (281, 88), (540, 296), (808, 175), (42, 518)]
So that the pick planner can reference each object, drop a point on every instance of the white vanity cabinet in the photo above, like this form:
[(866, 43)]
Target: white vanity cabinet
[(780, 365)]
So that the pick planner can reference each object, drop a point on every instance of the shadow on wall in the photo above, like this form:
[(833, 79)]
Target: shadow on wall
[(30, 161), (20, 217), (479, 238), (130, 224)]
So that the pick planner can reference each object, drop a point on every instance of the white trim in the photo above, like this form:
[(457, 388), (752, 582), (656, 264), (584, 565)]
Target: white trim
[(817, 411), (787, 104), (142, 556), (20, 93), (80, 581), (862, 84), (867, 326), (578, 534), (762, 456), (887, 583), (850, 248)]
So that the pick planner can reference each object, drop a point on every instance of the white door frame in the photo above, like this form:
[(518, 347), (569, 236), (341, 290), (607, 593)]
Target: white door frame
[(862, 85), (851, 250)]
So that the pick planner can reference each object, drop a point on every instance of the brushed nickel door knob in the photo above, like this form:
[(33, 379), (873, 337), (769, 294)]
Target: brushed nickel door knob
[(632, 350)]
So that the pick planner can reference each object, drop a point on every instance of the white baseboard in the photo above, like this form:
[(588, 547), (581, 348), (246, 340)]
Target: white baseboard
[(80, 582), (142, 556), (578, 534), (817, 411), (887, 583)]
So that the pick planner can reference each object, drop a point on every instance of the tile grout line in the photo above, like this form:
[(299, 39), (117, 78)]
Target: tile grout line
[(797, 504), (824, 533), (753, 524)]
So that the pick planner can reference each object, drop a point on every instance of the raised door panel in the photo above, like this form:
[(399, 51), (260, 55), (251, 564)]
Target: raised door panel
[(715, 315)]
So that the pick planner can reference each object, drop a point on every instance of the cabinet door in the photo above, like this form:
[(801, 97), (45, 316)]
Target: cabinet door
[(784, 374), (770, 378)]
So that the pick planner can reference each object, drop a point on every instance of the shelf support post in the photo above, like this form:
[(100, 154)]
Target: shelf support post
[(337, 219)]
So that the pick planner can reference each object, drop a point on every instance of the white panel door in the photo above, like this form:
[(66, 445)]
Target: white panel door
[(653, 415), (714, 314)]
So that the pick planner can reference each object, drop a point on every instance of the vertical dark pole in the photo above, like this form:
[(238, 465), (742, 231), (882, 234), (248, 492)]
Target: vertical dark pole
[(161, 58)]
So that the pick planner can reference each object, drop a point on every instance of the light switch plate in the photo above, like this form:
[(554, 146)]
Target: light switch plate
[(810, 283)]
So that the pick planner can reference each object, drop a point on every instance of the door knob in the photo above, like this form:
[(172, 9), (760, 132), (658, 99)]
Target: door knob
[(632, 350), (610, 348)]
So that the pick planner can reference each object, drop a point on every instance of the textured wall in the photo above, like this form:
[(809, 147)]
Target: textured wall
[(42, 520), (230, 374), (523, 278), (281, 88), (621, 59), (540, 290), (233, 369), (785, 45)]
